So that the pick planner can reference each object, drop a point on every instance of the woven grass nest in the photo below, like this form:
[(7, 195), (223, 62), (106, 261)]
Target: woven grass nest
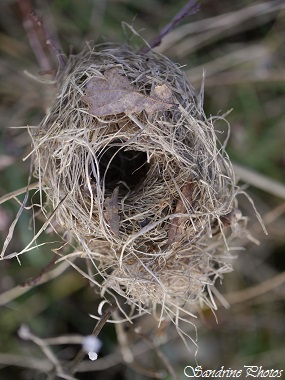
[(138, 180)]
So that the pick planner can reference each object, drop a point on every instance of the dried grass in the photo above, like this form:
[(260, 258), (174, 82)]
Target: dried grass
[(167, 238)]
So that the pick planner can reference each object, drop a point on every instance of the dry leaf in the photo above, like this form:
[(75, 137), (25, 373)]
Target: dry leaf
[(176, 230), (111, 213), (114, 94)]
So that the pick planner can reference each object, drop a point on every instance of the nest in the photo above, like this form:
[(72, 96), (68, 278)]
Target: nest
[(137, 178)]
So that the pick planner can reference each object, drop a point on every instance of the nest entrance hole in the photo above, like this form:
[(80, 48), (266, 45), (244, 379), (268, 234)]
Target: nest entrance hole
[(118, 164)]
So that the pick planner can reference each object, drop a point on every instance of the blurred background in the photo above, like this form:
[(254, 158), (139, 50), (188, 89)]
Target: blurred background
[(240, 48)]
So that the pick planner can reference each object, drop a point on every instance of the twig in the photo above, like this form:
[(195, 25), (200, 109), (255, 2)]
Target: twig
[(260, 181), (190, 8), (26, 334), (80, 356), (257, 290), (190, 37), (17, 192), (35, 280), (18, 291), (32, 362), (159, 353), (274, 214), (128, 356), (49, 41), (122, 339), (33, 35), (38, 37)]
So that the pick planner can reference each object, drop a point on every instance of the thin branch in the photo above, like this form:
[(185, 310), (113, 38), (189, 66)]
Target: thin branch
[(32, 362), (17, 291), (33, 36), (35, 280), (25, 334), (159, 353), (17, 192), (49, 41), (260, 181), (190, 8), (192, 36), (38, 37), (257, 290), (80, 356)]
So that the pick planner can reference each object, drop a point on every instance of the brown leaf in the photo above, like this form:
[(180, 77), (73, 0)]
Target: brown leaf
[(112, 211), (175, 232), (114, 94)]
